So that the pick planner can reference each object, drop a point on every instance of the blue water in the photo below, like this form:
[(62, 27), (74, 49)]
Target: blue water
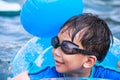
[(13, 36)]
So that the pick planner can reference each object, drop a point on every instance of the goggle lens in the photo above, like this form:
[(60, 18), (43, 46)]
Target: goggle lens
[(69, 47)]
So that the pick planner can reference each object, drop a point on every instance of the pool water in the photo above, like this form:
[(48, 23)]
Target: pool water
[(13, 36)]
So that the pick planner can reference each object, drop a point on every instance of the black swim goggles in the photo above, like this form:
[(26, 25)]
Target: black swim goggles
[(70, 47)]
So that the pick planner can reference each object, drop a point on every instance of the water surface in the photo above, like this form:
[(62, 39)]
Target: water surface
[(13, 36)]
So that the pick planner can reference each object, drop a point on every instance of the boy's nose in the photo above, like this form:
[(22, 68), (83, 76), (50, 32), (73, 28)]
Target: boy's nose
[(57, 52)]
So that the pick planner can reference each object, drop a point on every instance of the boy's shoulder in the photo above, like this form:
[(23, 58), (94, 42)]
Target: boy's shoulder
[(104, 72), (48, 72)]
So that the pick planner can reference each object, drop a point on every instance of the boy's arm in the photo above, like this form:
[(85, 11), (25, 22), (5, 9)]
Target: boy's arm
[(22, 76)]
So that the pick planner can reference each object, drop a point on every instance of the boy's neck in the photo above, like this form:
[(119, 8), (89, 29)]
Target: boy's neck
[(84, 73)]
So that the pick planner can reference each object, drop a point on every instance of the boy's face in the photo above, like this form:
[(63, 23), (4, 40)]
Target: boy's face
[(68, 63)]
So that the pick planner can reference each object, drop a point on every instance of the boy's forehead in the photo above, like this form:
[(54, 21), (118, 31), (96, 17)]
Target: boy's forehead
[(64, 35), (73, 31)]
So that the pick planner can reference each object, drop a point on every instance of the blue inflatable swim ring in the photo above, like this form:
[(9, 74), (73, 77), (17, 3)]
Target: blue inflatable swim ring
[(43, 18), (36, 55), (113, 56)]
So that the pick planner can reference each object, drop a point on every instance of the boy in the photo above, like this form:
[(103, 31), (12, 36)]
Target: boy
[(82, 41)]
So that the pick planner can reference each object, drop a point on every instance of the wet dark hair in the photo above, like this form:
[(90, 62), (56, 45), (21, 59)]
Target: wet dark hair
[(96, 36)]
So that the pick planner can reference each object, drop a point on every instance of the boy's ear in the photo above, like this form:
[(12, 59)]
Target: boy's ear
[(91, 60)]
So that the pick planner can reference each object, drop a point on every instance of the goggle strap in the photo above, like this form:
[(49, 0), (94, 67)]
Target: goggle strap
[(87, 52)]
